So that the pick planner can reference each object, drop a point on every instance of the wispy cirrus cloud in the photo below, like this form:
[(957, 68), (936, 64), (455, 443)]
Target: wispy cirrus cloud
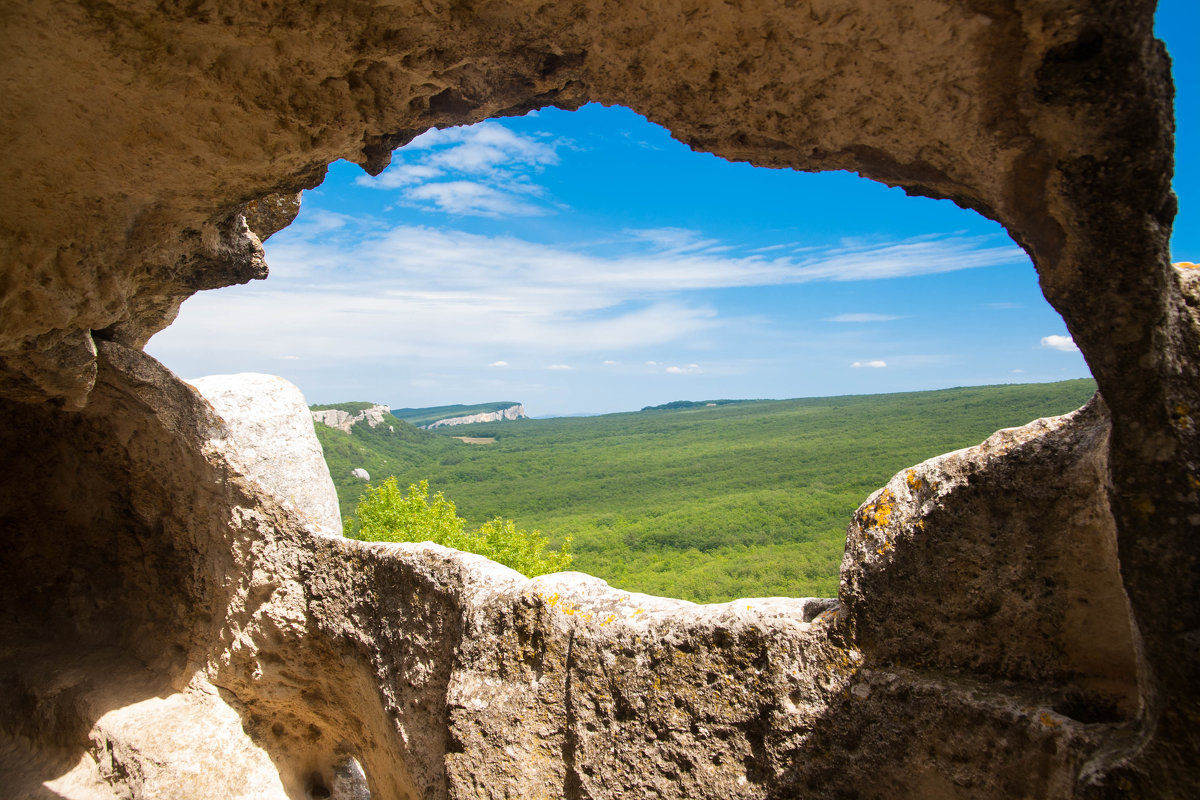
[(690, 369), (863, 318), (473, 197), (479, 170), (869, 364), (440, 293)]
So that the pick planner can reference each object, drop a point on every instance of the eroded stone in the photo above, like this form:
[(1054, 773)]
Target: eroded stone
[(142, 142)]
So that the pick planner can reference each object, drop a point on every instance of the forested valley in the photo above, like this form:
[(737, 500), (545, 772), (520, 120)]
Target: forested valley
[(703, 502)]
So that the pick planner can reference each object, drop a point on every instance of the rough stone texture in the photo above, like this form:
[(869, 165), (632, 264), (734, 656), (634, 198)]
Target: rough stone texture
[(270, 430), (142, 142), (1017, 535)]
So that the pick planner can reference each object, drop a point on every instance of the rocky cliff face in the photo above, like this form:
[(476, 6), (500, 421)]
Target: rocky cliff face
[(1019, 620), (344, 420), (510, 413)]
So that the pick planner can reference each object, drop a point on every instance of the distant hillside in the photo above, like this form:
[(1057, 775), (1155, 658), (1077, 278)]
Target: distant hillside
[(398, 449), (428, 417), (350, 408), (678, 404), (705, 503)]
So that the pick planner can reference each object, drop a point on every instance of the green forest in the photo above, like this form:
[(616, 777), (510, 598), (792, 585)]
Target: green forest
[(703, 502)]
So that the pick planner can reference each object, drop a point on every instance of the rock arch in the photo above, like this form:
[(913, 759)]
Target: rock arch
[(150, 146)]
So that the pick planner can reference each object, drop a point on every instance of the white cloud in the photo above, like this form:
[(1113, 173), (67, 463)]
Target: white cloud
[(413, 291), (871, 364), (481, 148), (290, 358), (498, 364), (925, 255), (560, 367), (400, 175), (1064, 343), (470, 197), (677, 240), (690, 369), (863, 318), (481, 170), (651, 363), (1017, 371), (318, 221), (609, 362)]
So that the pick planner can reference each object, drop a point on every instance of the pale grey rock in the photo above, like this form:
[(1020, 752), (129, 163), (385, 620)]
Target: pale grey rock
[(344, 421), (1034, 502), (333, 418), (188, 745), (510, 413), (446, 675), (361, 474), (349, 781), (272, 437)]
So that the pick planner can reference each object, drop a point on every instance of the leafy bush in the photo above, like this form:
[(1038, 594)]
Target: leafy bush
[(385, 514), (525, 551)]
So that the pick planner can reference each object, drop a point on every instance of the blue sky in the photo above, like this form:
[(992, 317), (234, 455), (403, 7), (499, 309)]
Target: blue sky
[(586, 262)]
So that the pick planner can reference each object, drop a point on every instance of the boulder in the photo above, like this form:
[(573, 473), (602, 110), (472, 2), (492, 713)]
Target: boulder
[(271, 435)]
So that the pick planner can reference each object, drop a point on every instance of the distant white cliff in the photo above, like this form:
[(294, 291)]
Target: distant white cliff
[(512, 412), (344, 421)]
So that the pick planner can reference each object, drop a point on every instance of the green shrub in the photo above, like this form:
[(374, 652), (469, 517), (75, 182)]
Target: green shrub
[(525, 551), (384, 514)]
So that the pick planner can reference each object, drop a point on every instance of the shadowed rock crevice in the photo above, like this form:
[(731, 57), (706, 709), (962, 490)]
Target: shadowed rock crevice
[(150, 147)]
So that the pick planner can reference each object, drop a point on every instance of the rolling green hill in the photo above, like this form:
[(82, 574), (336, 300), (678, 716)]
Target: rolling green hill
[(707, 503), (350, 408), (425, 416)]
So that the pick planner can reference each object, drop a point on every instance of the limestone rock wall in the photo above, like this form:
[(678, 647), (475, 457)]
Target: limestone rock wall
[(446, 675), (510, 413), (344, 420), (151, 146), (270, 430)]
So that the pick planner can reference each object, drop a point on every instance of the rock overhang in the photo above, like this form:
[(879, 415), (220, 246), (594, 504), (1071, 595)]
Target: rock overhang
[(182, 135)]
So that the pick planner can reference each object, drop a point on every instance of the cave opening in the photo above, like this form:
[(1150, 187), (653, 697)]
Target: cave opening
[(586, 264), (1053, 119)]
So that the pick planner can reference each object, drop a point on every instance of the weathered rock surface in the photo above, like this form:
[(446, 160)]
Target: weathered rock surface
[(271, 433), (1027, 508), (446, 675), (149, 147), (344, 420), (361, 474), (510, 413)]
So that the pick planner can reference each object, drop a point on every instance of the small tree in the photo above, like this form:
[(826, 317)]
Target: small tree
[(385, 514), (525, 551)]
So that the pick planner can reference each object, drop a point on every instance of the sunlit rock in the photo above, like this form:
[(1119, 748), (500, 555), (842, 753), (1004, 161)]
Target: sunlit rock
[(150, 147), (272, 438)]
